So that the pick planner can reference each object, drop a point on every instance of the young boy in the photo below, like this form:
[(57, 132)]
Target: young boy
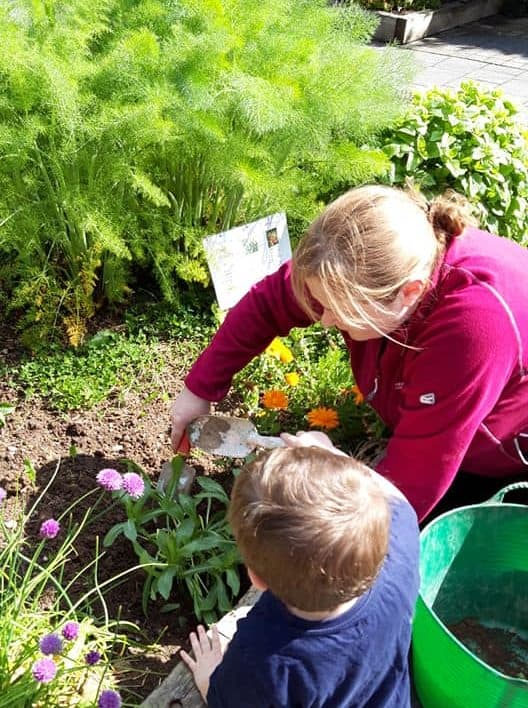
[(334, 548)]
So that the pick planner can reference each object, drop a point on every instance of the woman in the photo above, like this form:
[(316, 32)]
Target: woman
[(434, 313)]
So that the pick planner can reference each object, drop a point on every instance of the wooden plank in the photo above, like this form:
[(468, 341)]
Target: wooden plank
[(178, 690)]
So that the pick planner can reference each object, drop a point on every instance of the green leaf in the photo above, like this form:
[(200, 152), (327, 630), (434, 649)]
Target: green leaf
[(206, 543), (165, 581), (113, 533), (233, 581), (213, 489), (224, 605), (209, 602), (130, 530), (185, 531)]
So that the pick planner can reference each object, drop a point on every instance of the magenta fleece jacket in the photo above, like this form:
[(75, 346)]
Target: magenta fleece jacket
[(458, 400)]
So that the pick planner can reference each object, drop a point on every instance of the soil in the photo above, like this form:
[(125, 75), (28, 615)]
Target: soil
[(502, 649), (80, 444)]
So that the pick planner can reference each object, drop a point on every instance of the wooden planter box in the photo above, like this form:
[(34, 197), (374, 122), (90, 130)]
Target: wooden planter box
[(410, 26)]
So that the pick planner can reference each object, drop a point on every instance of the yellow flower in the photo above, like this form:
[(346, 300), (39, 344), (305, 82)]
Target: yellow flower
[(292, 379), (323, 418), (274, 347), (276, 400), (285, 355), (279, 350)]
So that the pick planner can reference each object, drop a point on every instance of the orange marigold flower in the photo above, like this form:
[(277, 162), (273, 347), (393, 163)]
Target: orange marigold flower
[(292, 379), (358, 396), (274, 399), (323, 418)]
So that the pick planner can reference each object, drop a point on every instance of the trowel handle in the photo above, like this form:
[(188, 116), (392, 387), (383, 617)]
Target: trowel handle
[(267, 441), (184, 446)]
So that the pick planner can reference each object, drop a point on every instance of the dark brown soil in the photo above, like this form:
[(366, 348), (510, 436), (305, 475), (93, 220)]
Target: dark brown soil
[(80, 444), (502, 649)]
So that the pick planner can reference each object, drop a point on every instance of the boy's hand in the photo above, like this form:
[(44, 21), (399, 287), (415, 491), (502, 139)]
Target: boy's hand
[(207, 656)]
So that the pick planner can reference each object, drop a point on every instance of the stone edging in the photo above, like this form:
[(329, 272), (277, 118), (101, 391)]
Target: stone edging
[(411, 26)]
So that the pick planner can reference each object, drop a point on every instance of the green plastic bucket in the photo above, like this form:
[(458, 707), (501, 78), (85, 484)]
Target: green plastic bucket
[(473, 564)]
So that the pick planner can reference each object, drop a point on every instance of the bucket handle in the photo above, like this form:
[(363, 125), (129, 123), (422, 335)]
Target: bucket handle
[(499, 496)]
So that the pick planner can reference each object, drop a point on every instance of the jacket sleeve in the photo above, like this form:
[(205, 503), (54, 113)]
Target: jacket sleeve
[(268, 310), (467, 353)]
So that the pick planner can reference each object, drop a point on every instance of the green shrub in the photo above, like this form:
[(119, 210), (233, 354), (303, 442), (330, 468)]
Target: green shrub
[(470, 141), (131, 128)]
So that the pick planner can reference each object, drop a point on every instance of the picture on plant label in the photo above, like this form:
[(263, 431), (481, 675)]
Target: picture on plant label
[(272, 237)]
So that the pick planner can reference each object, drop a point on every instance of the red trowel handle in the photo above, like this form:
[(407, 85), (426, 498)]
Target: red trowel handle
[(184, 446)]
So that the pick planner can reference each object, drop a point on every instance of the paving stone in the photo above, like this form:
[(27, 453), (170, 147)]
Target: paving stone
[(493, 52)]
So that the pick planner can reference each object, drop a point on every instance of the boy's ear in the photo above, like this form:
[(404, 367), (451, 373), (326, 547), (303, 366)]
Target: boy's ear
[(256, 580)]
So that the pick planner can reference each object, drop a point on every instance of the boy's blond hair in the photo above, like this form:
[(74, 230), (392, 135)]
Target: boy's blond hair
[(368, 243), (314, 526)]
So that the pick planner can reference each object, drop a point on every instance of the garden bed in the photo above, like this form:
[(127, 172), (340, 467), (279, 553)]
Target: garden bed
[(122, 427), (82, 443), (408, 26)]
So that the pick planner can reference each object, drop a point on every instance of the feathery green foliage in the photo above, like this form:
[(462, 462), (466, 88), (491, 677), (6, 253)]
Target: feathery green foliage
[(131, 128)]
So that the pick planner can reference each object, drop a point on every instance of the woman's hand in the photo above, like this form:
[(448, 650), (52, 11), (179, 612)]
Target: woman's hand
[(186, 407), (312, 438)]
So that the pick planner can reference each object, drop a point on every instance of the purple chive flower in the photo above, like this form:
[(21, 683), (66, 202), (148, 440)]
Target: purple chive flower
[(44, 670), (3, 494), (70, 630), (133, 484), (93, 657), (109, 699), (50, 644), (109, 479), (49, 528)]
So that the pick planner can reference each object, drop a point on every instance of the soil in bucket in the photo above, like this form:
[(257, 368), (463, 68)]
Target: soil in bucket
[(503, 649)]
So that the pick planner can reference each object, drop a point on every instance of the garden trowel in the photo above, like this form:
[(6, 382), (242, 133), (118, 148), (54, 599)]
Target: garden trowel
[(229, 437)]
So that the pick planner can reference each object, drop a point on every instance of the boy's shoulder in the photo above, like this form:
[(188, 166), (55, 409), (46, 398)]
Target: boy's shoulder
[(404, 540)]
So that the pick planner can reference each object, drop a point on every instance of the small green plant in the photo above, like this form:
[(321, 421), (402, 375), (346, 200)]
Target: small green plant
[(179, 539), (470, 141), (5, 410), (51, 651)]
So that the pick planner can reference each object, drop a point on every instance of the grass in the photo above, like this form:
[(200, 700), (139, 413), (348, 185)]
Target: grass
[(132, 356)]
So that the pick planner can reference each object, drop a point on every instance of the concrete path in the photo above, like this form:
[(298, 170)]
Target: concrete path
[(492, 51)]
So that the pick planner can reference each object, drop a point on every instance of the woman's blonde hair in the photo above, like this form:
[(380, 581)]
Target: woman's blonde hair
[(369, 242), (313, 525)]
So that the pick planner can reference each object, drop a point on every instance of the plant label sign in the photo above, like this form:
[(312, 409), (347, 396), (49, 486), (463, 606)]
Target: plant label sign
[(240, 257)]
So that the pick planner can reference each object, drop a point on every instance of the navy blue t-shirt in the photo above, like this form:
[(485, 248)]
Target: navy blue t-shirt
[(356, 660)]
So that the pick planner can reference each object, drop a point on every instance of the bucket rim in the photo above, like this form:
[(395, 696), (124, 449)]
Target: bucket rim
[(486, 505)]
